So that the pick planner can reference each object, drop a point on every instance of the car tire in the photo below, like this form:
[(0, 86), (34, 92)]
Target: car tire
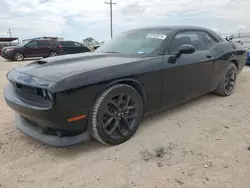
[(227, 83), (18, 56), (116, 114), (52, 54)]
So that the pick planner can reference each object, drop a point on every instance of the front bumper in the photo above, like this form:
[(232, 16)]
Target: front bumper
[(56, 141), (8, 55), (51, 122)]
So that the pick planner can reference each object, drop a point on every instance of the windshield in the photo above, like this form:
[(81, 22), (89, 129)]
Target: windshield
[(22, 44), (139, 41)]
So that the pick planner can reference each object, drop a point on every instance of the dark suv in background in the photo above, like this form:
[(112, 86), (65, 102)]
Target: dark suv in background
[(33, 48), (72, 47)]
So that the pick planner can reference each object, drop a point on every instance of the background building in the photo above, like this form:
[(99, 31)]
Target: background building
[(7, 41), (239, 37)]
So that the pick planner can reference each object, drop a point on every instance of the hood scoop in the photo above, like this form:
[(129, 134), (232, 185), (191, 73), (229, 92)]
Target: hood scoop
[(41, 62)]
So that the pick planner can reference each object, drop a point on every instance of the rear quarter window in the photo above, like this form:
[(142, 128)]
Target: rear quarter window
[(209, 40)]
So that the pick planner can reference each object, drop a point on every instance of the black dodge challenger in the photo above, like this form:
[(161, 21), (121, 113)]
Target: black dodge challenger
[(63, 100)]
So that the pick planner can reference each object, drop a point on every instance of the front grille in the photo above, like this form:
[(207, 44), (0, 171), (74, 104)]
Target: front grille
[(27, 89)]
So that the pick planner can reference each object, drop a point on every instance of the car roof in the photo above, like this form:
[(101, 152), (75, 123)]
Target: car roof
[(67, 41), (44, 40), (173, 27), (176, 28)]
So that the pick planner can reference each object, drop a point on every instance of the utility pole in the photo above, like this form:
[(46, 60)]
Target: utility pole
[(9, 31), (110, 3)]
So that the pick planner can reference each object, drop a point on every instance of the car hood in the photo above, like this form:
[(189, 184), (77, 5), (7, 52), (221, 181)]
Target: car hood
[(86, 68), (10, 47)]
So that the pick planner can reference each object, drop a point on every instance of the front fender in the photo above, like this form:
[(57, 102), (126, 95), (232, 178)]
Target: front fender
[(132, 82)]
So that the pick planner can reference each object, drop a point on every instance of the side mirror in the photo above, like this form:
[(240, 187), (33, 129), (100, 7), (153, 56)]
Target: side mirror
[(187, 49), (184, 49)]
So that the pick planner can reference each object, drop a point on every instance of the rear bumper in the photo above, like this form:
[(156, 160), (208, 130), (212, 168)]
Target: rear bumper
[(56, 141)]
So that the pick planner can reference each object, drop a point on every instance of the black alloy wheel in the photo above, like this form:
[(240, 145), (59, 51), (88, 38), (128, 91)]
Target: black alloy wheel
[(230, 80), (117, 114), (227, 83)]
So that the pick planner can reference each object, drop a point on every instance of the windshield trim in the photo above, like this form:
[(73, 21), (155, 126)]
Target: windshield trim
[(164, 35)]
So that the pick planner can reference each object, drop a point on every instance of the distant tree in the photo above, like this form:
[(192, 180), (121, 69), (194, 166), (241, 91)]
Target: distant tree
[(90, 41)]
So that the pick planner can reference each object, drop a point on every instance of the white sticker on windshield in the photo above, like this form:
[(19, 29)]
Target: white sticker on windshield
[(157, 36)]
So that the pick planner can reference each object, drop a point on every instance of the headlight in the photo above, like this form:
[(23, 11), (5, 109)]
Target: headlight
[(9, 50), (50, 97), (44, 93)]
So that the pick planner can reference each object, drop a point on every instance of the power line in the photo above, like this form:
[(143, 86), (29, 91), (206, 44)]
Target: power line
[(111, 16)]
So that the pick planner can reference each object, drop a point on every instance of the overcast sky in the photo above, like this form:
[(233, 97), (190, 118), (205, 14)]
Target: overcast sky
[(77, 19)]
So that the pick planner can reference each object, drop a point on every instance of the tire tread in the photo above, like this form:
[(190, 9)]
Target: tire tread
[(96, 107)]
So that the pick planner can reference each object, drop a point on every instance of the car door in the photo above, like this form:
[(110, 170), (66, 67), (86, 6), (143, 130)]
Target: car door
[(78, 48), (68, 47), (219, 64), (31, 49), (191, 75), (43, 48)]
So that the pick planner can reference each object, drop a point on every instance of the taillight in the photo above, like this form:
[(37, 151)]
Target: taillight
[(59, 46)]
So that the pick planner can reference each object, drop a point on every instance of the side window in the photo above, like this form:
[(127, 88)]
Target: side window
[(208, 39), (68, 44), (42, 43), (76, 44), (62, 43), (187, 38), (54, 43), (32, 44)]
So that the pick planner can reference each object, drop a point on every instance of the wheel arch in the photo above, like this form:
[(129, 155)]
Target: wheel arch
[(18, 51), (235, 62), (51, 51), (133, 83)]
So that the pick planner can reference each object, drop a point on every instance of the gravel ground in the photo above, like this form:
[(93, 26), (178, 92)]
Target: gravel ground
[(200, 144)]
